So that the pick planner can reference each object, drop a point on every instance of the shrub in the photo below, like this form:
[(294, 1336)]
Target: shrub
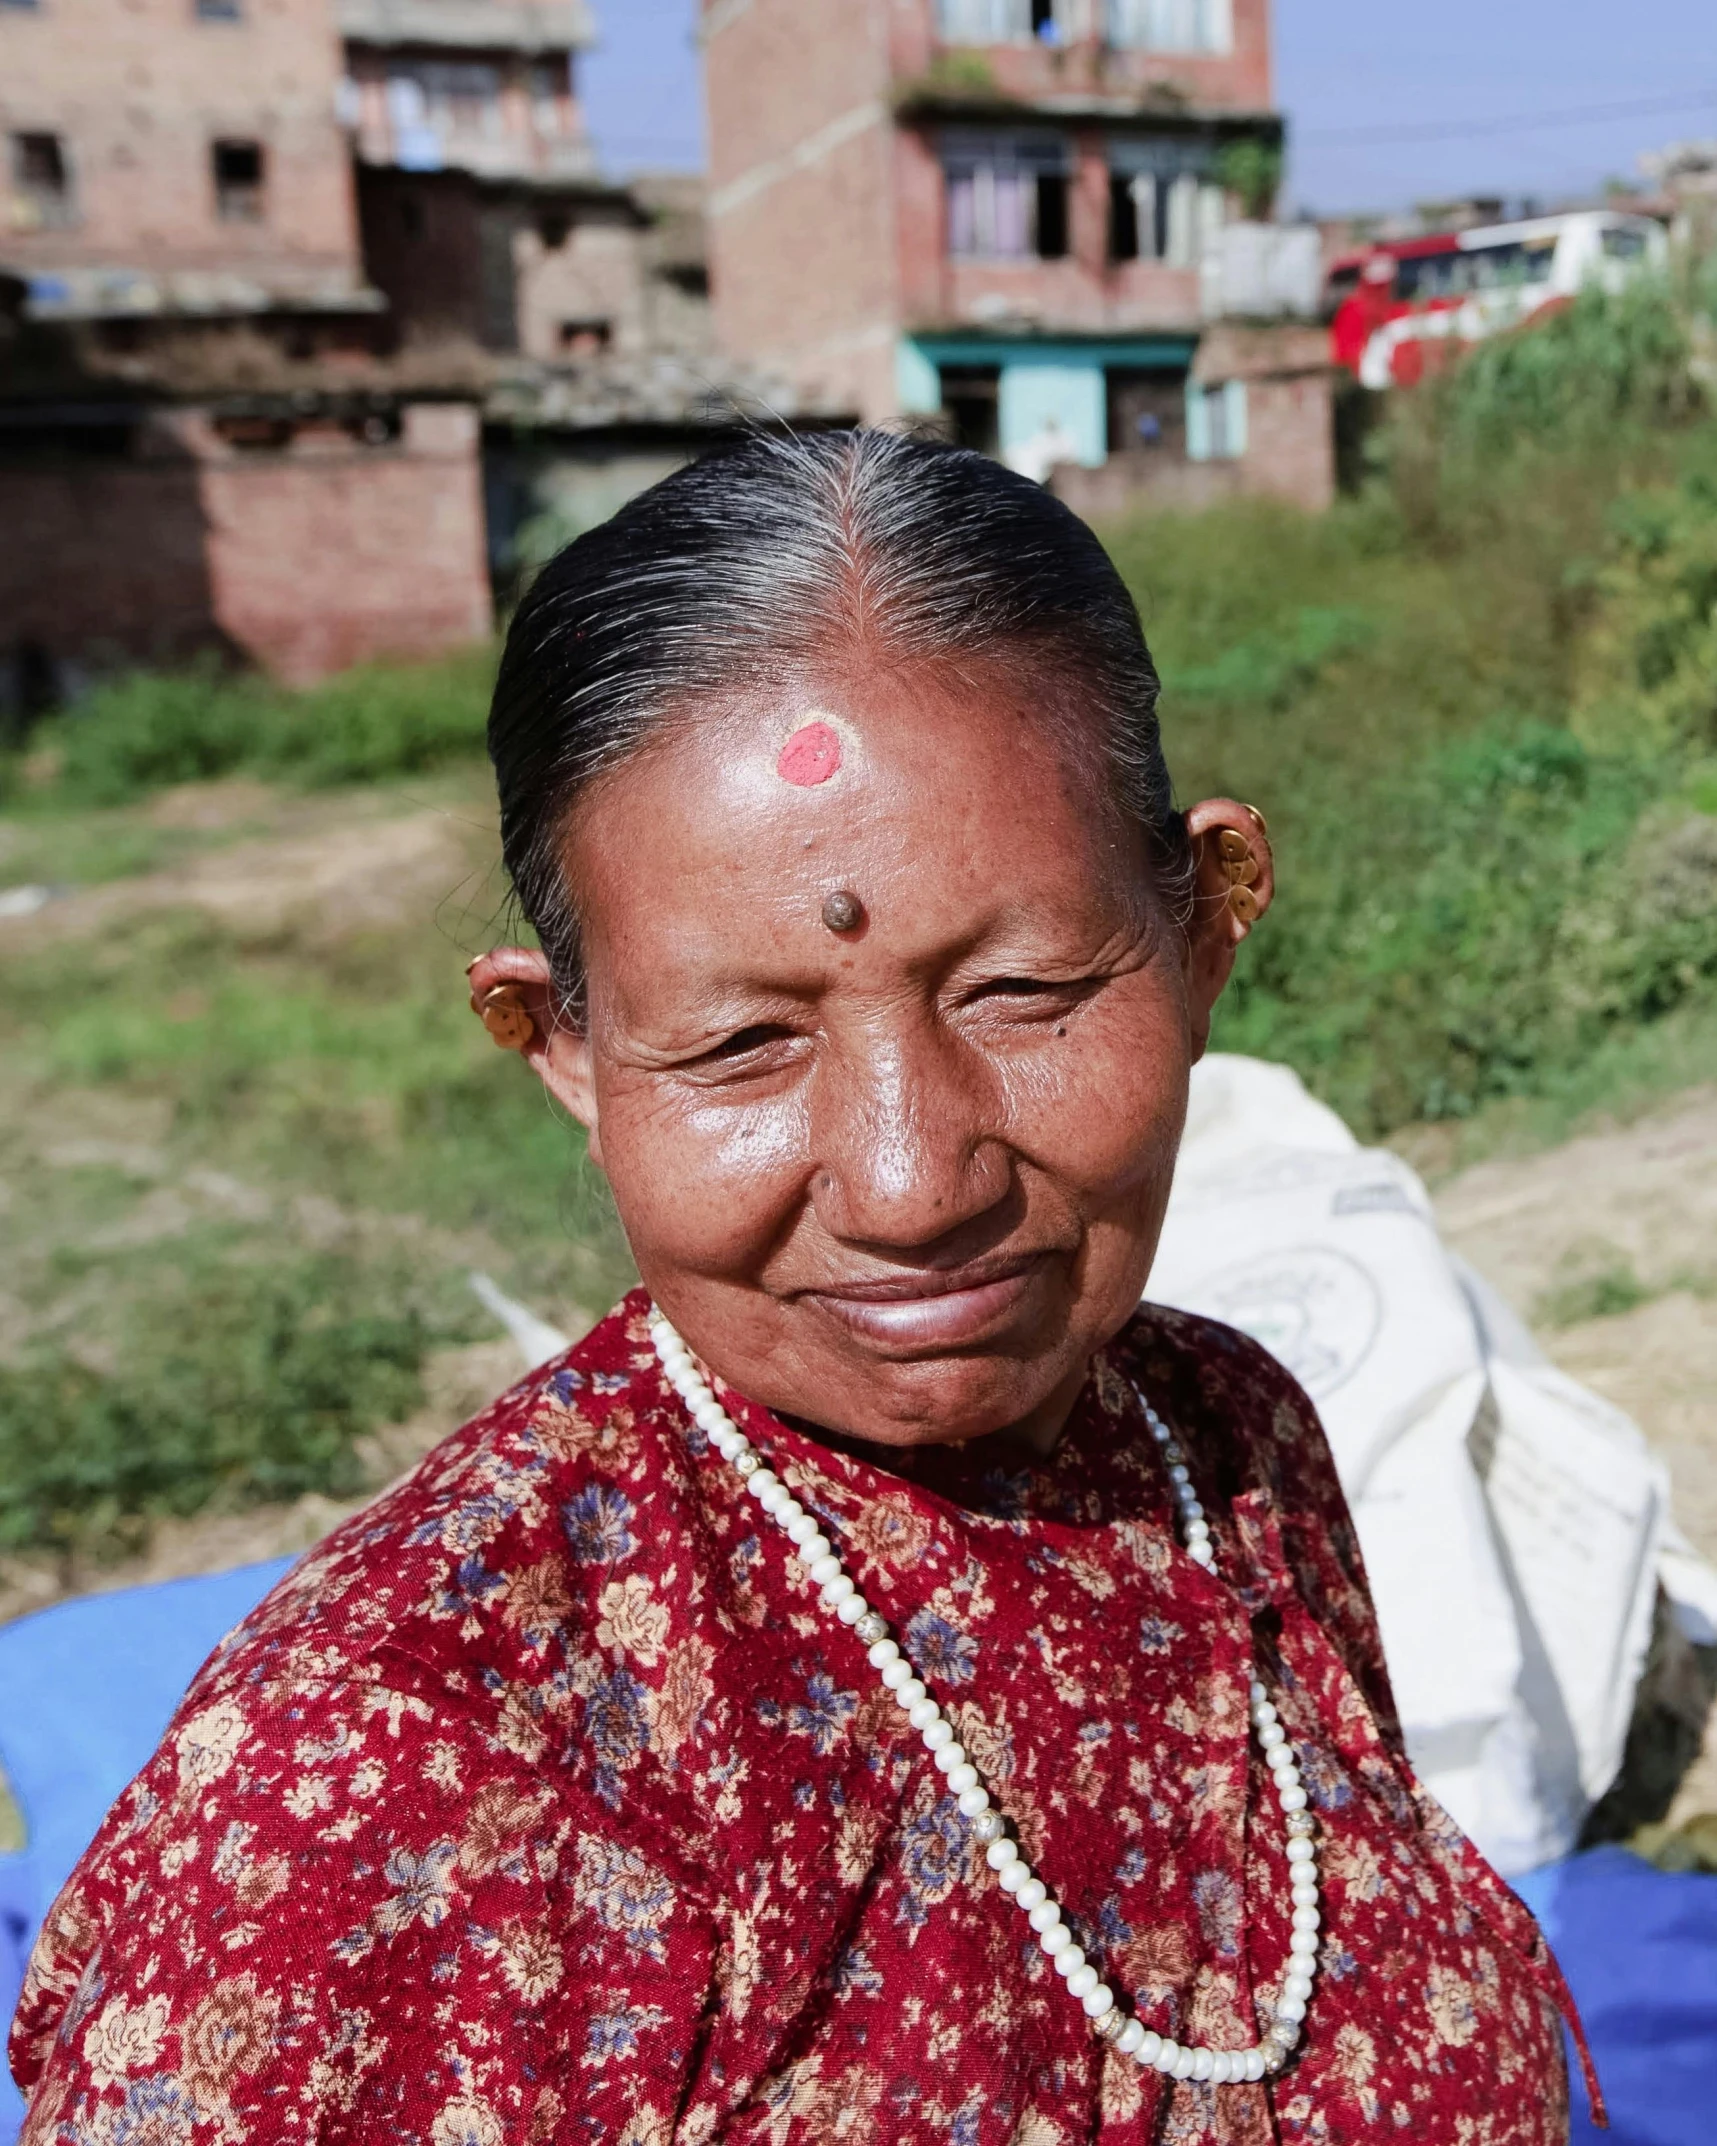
[(147, 730)]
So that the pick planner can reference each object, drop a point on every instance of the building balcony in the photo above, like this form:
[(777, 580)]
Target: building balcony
[(523, 26)]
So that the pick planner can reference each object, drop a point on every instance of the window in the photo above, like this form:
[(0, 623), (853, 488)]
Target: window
[(586, 338), (1007, 198), (219, 11), (1216, 421), (1171, 25), (460, 97), (1003, 22), (550, 84), (1626, 242), (41, 182), (1162, 205), (237, 169)]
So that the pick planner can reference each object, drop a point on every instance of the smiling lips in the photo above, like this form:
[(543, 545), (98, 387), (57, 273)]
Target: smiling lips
[(932, 1310)]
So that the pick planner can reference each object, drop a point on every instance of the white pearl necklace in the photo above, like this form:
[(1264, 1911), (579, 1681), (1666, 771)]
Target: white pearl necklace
[(1014, 1874)]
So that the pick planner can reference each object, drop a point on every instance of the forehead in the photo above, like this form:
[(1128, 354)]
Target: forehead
[(942, 797)]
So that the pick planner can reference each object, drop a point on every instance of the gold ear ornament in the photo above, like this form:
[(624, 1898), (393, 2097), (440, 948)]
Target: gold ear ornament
[(502, 1012)]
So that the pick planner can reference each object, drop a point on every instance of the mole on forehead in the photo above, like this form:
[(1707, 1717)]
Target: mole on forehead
[(810, 756)]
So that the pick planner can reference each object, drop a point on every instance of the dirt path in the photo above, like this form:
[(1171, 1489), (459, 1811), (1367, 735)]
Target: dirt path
[(1629, 1213)]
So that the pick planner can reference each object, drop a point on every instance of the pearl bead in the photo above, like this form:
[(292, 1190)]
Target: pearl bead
[(820, 1563)]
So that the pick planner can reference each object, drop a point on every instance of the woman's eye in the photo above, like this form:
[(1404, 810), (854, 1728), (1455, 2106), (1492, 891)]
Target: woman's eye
[(744, 1041), (1024, 990)]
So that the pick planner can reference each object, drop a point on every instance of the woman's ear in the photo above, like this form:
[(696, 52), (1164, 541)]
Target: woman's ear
[(1234, 883), (513, 995)]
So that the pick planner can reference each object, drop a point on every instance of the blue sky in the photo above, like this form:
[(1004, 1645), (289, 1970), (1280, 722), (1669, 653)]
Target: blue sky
[(1374, 90)]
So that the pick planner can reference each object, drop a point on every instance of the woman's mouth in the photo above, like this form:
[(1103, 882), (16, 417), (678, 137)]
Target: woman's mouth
[(937, 1308)]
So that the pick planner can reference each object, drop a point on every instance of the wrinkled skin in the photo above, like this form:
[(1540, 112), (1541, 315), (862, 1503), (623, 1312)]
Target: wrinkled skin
[(899, 1182)]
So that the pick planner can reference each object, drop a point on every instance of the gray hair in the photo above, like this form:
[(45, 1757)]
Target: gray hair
[(777, 553)]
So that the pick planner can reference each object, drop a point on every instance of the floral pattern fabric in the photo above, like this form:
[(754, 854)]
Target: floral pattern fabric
[(541, 1804)]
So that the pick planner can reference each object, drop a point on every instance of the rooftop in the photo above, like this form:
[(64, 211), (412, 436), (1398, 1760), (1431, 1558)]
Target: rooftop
[(469, 25)]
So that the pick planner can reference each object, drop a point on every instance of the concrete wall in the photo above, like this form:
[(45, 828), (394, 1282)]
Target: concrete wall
[(303, 560), (139, 90)]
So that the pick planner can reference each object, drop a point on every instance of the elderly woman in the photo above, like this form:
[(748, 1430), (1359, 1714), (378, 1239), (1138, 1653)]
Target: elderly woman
[(884, 1684)]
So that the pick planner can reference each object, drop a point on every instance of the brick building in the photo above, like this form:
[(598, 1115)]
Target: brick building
[(1022, 215), (199, 442)]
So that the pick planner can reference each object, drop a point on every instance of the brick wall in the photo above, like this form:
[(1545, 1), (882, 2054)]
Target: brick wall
[(802, 243), (139, 90), (303, 560)]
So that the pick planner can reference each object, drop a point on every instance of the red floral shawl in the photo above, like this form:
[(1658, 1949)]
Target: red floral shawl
[(541, 1804)]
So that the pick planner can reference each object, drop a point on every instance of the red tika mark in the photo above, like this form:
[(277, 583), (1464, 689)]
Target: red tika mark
[(810, 756)]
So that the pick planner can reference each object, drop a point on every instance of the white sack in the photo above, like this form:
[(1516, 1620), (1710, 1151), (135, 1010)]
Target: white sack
[(1511, 1521)]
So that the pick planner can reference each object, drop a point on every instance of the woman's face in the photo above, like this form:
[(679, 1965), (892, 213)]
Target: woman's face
[(899, 1180)]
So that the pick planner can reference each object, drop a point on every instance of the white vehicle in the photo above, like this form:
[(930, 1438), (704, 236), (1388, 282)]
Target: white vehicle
[(1474, 284)]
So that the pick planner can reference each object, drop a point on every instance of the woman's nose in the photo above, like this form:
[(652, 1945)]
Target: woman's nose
[(907, 1142)]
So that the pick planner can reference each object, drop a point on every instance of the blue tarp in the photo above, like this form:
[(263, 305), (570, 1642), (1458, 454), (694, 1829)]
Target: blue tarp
[(87, 1688)]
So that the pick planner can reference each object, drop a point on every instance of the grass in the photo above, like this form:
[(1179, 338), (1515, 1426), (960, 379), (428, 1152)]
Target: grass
[(1478, 703)]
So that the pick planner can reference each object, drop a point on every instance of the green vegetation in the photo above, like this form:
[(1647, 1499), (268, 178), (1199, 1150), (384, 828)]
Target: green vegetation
[(261, 1142), (149, 730), (1479, 705), (233, 1384)]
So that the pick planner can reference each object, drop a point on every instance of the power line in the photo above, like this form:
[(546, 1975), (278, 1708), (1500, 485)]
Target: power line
[(1441, 130)]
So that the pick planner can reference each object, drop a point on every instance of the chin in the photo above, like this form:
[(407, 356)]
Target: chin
[(943, 1401)]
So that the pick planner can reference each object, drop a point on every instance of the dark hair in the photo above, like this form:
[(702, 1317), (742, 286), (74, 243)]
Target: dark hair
[(771, 554)]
